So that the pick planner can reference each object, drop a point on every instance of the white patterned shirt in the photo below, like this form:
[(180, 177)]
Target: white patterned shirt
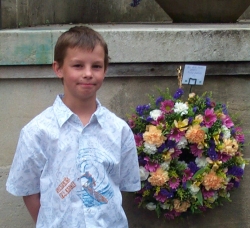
[(78, 170)]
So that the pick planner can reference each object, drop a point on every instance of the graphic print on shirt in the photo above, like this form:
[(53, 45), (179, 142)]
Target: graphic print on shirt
[(94, 167)]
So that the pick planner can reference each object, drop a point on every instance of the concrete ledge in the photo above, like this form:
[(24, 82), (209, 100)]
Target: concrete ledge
[(135, 43), (130, 70)]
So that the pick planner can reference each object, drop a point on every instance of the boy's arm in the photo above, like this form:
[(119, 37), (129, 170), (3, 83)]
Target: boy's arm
[(32, 203)]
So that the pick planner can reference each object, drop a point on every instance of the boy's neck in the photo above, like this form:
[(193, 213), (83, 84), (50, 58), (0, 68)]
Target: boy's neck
[(82, 108)]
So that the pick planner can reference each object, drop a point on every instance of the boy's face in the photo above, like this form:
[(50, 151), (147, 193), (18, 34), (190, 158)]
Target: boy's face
[(82, 73)]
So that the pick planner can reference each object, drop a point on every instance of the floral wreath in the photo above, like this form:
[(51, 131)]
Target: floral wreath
[(189, 153)]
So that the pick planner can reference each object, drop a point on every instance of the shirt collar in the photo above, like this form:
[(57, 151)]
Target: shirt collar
[(63, 113)]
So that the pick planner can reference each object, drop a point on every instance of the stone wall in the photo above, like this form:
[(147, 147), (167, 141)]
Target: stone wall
[(24, 13), (28, 85)]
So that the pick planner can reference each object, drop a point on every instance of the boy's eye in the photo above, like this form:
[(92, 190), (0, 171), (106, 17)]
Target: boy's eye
[(77, 65), (97, 66)]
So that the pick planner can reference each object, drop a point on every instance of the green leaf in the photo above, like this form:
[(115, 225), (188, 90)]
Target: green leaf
[(199, 172), (200, 197)]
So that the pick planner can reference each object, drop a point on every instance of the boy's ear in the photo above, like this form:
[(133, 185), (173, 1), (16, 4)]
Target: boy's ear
[(57, 69)]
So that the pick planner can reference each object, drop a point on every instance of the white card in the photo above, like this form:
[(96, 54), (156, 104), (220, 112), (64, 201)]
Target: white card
[(193, 74)]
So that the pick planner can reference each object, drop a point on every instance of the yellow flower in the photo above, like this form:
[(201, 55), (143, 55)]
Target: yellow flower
[(195, 134), (159, 177), (191, 95), (212, 181), (153, 136), (181, 125), (229, 146), (181, 206), (216, 139), (167, 156), (198, 119)]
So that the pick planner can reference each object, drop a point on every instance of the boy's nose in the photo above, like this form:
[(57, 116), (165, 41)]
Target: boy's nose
[(87, 72)]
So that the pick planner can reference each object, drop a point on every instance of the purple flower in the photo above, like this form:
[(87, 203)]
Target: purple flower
[(178, 93), (193, 167), (235, 171), (211, 151), (170, 144), (149, 119), (235, 183), (141, 160), (190, 120), (140, 109), (208, 102), (224, 109), (166, 193), (161, 148), (195, 109), (159, 100)]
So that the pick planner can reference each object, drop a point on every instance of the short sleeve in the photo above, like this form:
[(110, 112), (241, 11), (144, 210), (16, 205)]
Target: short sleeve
[(27, 165), (129, 172)]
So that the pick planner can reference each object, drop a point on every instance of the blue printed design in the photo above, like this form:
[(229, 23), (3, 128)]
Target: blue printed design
[(96, 189)]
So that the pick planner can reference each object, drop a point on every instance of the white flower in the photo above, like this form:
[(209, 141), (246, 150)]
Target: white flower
[(151, 206), (243, 166), (201, 162), (143, 173), (155, 114), (165, 165), (164, 206), (182, 143), (183, 163), (181, 108), (226, 132), (149, 148), (194, 189)]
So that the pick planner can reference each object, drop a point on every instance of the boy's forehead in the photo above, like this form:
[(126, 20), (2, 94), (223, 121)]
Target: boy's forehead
[(85, 49), (73, 52)]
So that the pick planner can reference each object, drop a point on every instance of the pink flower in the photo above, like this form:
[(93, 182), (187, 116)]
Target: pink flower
[(138, 140), (207, 194), (187, 175), (195, 151), (223, 157), (172, 214), (160, 197), (176, 134), (167, 106), (174, 182), (176, 153), (226, 120), (131, 123), (239, 136), (209, 117), (151, 166)]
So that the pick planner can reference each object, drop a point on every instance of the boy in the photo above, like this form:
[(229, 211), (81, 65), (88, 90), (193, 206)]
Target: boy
[(74, 158)]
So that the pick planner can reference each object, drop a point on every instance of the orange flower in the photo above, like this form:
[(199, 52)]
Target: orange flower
[(159, 177), (230, 146), (181, 206), (195, 134), (153, 136), (212, 181)]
